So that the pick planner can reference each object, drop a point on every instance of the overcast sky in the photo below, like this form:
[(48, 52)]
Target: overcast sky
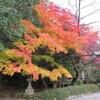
[(90, 9)]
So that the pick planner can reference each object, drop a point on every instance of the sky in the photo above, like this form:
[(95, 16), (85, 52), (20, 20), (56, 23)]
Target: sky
[(85, 11)]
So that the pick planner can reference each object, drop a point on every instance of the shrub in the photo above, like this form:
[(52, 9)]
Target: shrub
[(79, 82), (62, 93)]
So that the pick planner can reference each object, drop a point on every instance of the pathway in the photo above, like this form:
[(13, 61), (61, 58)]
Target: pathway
[(94, 96)]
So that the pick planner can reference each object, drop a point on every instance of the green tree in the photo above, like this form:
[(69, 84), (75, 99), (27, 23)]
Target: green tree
[(11, 12)]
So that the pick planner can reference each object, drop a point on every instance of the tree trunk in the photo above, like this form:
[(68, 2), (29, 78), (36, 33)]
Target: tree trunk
[(44, 83), (75, 78), (0, 76), (54, 84), (60, 84)]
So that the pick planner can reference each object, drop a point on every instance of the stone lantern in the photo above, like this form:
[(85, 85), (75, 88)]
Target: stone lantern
[(29, 90)]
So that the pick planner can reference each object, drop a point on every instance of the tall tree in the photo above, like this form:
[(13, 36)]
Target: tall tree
[(35, 52), (91, 35)]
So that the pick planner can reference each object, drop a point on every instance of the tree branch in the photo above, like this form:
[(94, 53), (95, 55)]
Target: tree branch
[(91, 61), (89, 4), (92, 23), (89, 14), (69, 3), (74, 65)]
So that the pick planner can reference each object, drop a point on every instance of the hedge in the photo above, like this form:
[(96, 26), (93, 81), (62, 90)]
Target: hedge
[(62, 93)]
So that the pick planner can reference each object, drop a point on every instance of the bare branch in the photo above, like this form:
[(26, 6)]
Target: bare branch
[(92, 23), (76, 4), (70, 4), (89, 14), (89, 4)]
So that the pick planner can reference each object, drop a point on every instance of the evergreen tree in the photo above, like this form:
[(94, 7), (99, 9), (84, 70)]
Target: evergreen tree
[(11, 12)]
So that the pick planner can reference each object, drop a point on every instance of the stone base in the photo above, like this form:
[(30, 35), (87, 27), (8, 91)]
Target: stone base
[(29, 91)]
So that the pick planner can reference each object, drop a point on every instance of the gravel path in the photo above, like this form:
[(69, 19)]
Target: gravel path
[(94, 96)]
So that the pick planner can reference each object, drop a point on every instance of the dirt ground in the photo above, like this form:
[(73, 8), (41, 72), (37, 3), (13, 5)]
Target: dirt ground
[(9, 91)]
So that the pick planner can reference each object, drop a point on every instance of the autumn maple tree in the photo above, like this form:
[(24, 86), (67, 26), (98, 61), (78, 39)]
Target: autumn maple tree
[(34, 53)]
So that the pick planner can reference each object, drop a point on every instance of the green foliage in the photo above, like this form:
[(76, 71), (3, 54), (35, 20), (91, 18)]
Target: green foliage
[(3, 95), (36, 20), (36, 59), (65, 81), (98, 84), (97, 76), (10, 28), (65, 60), (25, 8), (79, 82), (11, 12), (43, 58), (61, 93), (22, 8), (2, 48), (45, 61), (92, 74)]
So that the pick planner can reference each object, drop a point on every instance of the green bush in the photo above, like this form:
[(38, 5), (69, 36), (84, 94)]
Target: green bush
[(98, 85), (62, 93), (79, 82)]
